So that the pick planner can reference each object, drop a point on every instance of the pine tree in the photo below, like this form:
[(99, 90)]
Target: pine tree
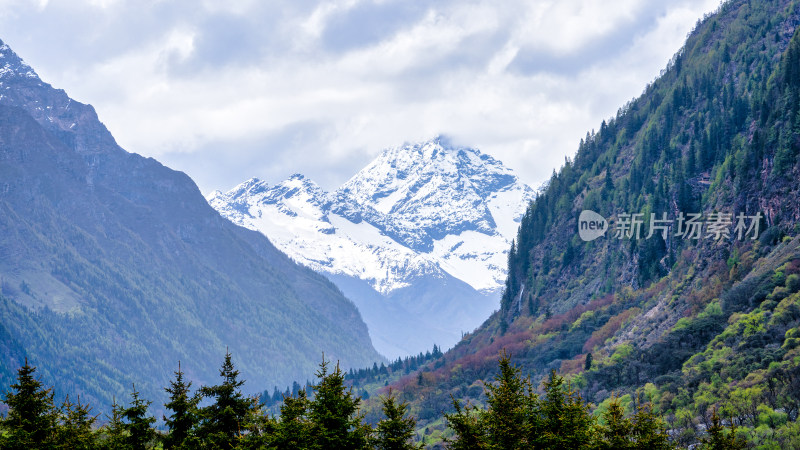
[(552, 409), (293, 431), (608, 186), (334, 413), (295, 388), (31, 420), (468, 428), (617, 430), (566, 422), (717, 439), (396, 432), (517, 418), (260, 430), (139, 426), (75, 428), (225, 419), (649, 431), (508, 421), (577, 422), (183, 420), (114, 431)]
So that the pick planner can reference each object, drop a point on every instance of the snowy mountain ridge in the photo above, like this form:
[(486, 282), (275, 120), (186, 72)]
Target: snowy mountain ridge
[(441, 189), (323, 231), (423, 211), (416, 209)]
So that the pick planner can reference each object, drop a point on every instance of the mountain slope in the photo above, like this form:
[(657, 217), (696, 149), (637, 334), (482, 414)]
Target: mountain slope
[(692, 323), (421, 233), (114, 267)]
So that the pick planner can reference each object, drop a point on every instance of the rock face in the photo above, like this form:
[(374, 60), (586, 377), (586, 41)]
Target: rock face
[(114, 267), (418, 239)]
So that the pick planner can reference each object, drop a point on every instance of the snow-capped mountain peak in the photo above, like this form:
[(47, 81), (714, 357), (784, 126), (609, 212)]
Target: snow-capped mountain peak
[(12, 65), (429, 213), (440, 188), (454, 207)]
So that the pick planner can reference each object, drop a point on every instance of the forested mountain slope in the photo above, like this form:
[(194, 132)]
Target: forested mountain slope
[(114, 267), (698, 315)]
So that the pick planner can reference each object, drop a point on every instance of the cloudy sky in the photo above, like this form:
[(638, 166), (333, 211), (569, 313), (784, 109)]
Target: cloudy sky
[(228, 90)]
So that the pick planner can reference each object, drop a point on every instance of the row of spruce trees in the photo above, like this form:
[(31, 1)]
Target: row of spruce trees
[(330, 419), (515, 417)]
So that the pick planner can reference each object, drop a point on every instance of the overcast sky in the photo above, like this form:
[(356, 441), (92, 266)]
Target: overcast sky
[(228, 90)]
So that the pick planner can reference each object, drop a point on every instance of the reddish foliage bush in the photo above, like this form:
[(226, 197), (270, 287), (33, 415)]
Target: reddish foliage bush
[(606, 331), (556, 322), (574, 365)]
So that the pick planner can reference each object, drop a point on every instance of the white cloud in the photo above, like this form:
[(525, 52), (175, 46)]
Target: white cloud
[(231, 90), (315, 24), (566, 26)]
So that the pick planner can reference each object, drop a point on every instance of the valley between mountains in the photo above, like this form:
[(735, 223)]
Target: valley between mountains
[(113, 267), (419, 234)]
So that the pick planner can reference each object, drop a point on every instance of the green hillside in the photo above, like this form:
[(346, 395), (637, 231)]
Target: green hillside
[(113, 267), (692, 321)]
